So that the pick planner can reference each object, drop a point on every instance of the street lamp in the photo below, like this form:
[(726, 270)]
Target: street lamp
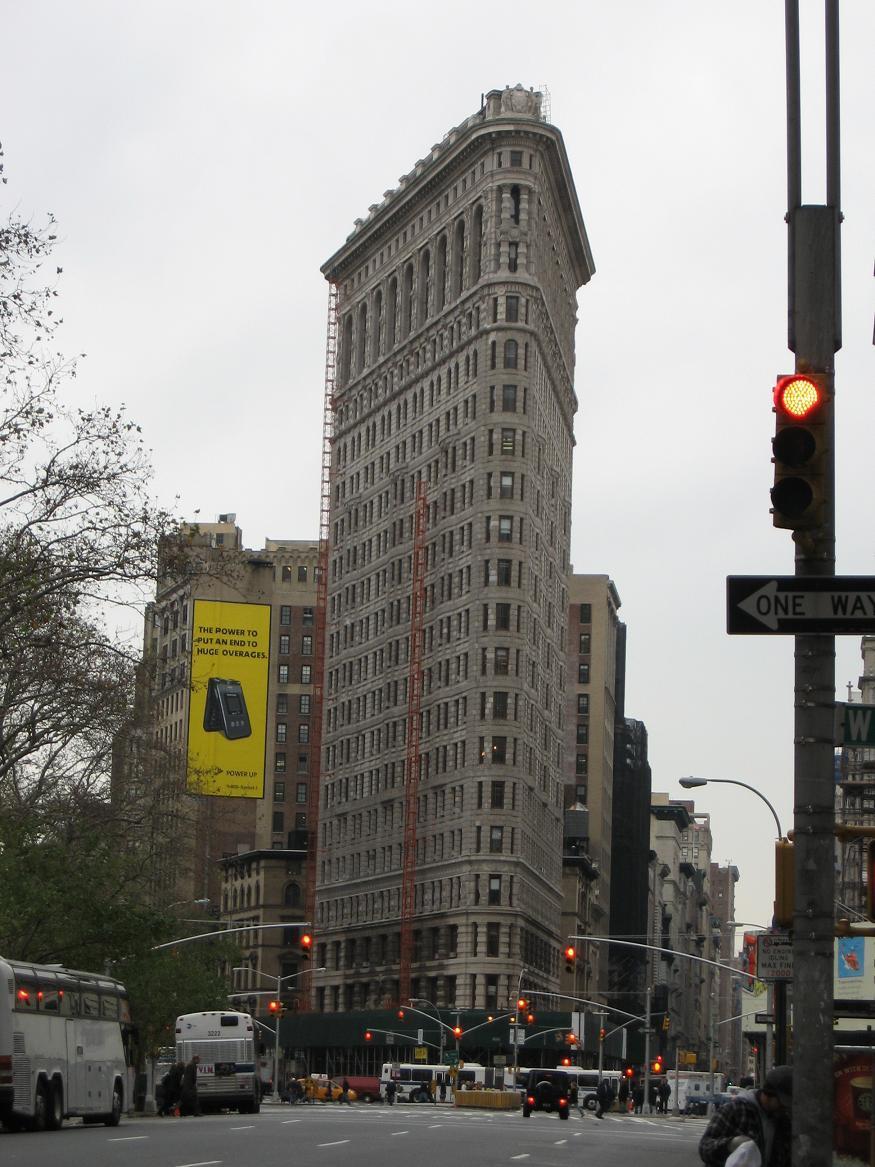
[(278, 981), (691, 783), (780, 989)]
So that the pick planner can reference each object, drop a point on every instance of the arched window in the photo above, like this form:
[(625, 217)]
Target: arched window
[(362, 339), (392, 314), (424, 286), (515, 199), (476, 243), (407, 301), (511, 350), (345, 349), (376, 325), (458, 268), (440, 274), (292, 896)]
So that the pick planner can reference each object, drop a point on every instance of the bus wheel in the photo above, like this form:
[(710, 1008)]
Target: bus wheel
[(40, 1108), (114, 1116), (55, 1113)]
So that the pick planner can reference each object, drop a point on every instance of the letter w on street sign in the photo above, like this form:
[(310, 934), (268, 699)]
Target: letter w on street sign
[(855, 725), (794, 605)]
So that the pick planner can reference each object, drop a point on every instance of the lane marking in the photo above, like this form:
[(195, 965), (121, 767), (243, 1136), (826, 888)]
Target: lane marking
[(519, 1156), (393, 1133), (435, 1126), (337, 1143), (560, 1142), (286, 1121), (127, 1139), (205, 1163), (251, 1127)]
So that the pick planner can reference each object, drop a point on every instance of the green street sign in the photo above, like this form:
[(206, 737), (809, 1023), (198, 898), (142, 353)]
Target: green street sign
[(856, 724), (451, 1058)]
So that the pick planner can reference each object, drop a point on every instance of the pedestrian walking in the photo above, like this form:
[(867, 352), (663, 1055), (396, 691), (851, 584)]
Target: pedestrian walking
[(638, 1098), (604, 1096), (344, 1093), (390, 1092), (432, 1092), (188, 1101), (664, 1093), (443, 1090), (623, 1095), (758, 1116)]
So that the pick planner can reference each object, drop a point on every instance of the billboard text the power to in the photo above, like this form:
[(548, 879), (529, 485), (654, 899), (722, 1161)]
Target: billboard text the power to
[(230, 650)]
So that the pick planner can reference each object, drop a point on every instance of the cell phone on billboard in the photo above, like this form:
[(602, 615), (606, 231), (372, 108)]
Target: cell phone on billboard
[(225, 711)]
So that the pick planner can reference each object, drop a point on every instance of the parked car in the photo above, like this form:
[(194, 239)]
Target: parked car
[(698, 1103), (546, 1090)]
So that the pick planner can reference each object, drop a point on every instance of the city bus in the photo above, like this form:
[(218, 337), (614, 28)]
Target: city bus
[(224, 1042), (412, 1078), (65, 1046)]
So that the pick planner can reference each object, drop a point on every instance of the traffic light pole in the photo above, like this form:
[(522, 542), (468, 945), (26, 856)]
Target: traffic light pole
[(814, 337)]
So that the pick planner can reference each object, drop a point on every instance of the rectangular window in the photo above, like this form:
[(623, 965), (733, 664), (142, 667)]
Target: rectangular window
[(502, 617), (585, 614), (286, 575), (513, 251), (281, 731), (508, 441), (304, 704), (583, 674), (303, 733), (285, 614), (306, 646), (508, 398), (282, 702), (494, 889), (301, 792), (303, 763), (302, 575), (278, 822), (582, 703), (584, 643), (279, 763), (516, 157), (505, 573), (496, 840), (306, 616), (279, 792), (499, 749), (505, 484), (582, 733), (580, 766), (493, 940), (497, 795), (512, 309), (284, 644), (505, 528), (499, 705), (580, 793), (501, 662), (282, 674), (306, 673)]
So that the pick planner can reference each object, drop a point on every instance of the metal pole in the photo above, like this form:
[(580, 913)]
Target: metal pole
[(275, 1097), (645, 1107), (814, 336)]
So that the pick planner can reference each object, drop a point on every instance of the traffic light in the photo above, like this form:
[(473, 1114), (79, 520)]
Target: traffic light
[(522, 1004), (530, 1019), (306, 945), (457, 1031), (657, 1066), (368, 1035), (601, 1035), (274, 1006), (400, 1014), (566, 1061), (801, 448), (629, 1072), (570, 954), (785, 883)]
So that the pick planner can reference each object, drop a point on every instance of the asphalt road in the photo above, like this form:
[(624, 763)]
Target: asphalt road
[(363, 1136)]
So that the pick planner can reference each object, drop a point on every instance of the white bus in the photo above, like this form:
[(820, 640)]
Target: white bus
[(65, 1044), (224, 1042), (412, 1078)]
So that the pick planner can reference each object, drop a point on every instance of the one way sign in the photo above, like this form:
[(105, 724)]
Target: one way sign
[(791, 605)]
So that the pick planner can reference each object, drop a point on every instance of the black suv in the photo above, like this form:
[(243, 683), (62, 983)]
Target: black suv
[(546, 1090)]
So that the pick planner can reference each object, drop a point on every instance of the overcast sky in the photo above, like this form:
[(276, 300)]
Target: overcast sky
[(204, 158)]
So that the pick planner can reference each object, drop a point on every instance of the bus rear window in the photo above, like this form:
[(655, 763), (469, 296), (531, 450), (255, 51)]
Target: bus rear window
[(229, 1021)]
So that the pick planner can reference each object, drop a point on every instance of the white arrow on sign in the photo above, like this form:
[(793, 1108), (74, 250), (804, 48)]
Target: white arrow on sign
[(770, 606)]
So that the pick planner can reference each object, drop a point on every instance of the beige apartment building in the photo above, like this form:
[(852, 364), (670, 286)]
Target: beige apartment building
[(457, 310), (242, 857)]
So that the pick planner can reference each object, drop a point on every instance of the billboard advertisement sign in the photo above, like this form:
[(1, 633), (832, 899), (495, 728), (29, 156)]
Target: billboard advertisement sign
[(227, 716)]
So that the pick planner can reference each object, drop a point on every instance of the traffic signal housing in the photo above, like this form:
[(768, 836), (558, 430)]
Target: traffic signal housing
[(306, 945), (570, 956), (274, 1007), (785, 883), (457, 1031), (801, 450)]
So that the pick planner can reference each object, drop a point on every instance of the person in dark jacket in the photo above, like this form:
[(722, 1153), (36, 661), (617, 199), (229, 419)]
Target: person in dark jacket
[(188, 1103), (761, 1116), (172, 1087), (604, 1097)]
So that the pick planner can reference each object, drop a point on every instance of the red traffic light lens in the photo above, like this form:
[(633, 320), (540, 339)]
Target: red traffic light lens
[(306, 940), (457, 1031), (368, 1035), (798, 396), (570, 953)]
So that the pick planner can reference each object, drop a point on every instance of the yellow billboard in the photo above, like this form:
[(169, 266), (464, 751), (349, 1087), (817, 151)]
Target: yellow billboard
[(227, 712)]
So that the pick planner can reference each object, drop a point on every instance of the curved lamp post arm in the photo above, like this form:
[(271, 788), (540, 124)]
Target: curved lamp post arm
[(689, 783)]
